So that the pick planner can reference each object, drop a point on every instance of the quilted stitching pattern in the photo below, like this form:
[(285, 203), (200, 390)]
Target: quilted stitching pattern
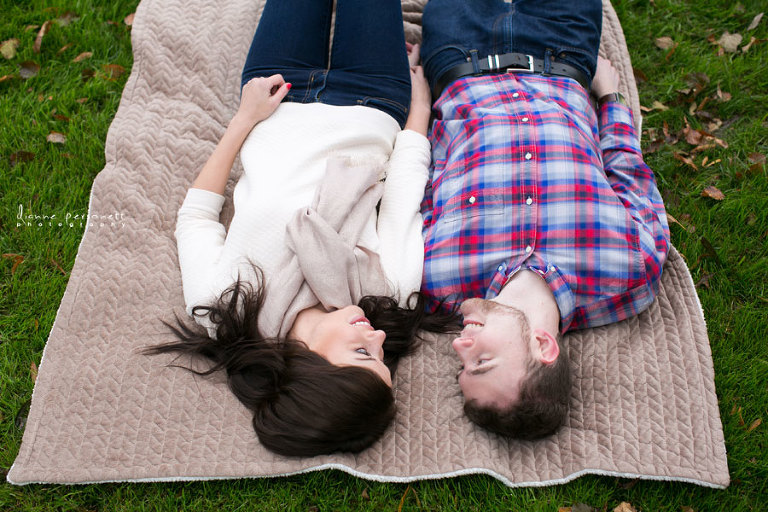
[(643, 405)]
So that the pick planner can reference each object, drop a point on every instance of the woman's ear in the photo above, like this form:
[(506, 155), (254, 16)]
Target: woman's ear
[(546, 346)]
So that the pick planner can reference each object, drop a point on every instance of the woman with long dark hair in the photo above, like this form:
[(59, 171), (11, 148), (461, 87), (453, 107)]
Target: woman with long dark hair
[(305, 300)]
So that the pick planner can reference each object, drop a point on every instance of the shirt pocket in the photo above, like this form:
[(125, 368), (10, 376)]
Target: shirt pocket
[(472, 204)]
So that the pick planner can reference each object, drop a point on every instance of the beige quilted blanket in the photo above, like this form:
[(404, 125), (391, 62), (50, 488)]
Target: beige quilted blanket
[(643, 404)]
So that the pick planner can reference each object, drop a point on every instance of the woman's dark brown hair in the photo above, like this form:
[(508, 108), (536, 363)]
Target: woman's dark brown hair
[(302, 404)]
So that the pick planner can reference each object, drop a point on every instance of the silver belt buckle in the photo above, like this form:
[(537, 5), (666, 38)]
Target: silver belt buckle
[(529, 69)]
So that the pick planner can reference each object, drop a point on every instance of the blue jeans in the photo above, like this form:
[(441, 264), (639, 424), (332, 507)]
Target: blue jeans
[(459, 31), (368, 63)]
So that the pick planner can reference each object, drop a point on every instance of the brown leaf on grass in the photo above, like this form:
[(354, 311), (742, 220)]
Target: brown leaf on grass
[(365, 494), (17, 260), (723, 96), (564, 509), (28, 69), (81, 100), (31, 27), (639, 75), (755, 424), (752, 40), (33, 371), (6, 78), (697, 81), (60, 117), (664, 42), (703, 281), (757, 161), (624, 507), (67, 18), (730, 42), (21, 156), (86, 74), (713, 192), (755, 22), (83, 56), (58, 267), (654, 146), (113, 71), (128, 20), (686, 509), (41, 33), (683, 157), (56, 138), (8, 48), (64, 48)]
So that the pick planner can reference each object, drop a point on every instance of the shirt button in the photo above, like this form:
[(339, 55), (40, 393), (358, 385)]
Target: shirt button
[(472, 200), (501, 267), (528, 156), (529, 201), (525, 119), (528, 249), (515, 95)]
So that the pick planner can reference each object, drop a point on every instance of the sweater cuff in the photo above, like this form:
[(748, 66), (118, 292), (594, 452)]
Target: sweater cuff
[(200, 199)]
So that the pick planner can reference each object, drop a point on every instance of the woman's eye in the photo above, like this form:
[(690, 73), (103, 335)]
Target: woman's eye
[(361, 350), (481, 362)]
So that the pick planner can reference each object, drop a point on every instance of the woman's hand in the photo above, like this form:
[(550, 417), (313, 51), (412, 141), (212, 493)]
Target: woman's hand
[(606, 79), (259, 99), (421, 97)]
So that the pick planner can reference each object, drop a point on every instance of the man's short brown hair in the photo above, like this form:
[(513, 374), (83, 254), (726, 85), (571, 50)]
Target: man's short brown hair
[(541, 407)]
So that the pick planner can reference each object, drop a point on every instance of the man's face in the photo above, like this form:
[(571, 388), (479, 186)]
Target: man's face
[(494, 348)]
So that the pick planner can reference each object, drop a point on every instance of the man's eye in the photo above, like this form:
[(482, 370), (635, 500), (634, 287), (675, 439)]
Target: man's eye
[(361, 350)]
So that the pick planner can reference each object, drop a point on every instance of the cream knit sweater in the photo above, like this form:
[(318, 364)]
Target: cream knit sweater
[(284, 160)]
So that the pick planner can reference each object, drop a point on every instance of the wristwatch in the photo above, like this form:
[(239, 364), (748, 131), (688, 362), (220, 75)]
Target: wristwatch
[(614, 96)]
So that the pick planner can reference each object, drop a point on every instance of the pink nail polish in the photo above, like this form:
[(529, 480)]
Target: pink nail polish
[(288, 85)]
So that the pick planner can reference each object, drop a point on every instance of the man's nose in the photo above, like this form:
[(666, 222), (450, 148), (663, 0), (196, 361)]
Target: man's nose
[(462, 344)]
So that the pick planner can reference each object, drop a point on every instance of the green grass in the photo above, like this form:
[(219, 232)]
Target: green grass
[(724, 242)]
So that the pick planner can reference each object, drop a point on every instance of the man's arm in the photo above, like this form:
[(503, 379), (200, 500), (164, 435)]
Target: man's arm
[(630, 178)]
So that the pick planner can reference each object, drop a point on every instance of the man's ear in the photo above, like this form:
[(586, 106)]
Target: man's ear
[(546, 346)]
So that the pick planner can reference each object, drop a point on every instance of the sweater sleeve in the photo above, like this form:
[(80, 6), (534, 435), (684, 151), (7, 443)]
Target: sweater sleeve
[(200, 240), (399, 223)]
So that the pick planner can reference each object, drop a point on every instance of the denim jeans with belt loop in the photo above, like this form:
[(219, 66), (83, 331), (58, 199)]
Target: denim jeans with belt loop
[(368, 63), (460, 31)]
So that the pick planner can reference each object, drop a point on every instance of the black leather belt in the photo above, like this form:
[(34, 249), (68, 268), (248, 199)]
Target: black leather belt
[(508, 62)]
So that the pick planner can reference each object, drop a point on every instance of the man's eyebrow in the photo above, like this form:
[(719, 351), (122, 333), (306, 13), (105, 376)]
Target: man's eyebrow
[(483, 369)]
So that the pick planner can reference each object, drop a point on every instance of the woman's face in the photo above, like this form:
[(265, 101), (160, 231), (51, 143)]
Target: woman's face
[(346, 338)]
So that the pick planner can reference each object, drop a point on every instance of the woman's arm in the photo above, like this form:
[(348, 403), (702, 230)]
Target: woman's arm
[(421, 97), (260, 97)]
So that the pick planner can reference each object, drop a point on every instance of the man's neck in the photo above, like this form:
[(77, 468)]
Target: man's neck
[(528, 291)]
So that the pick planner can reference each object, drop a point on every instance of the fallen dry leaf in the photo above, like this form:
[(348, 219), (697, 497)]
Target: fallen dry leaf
[(746, 47), (41, 33), (757, 161), (624, 507), (730, 42), (723, 96), (657, 105), (113, 71), (687, 509), (33, 371), (86, 74), (128, 20), (755, 22), (17, 260), (64, 48), (21, 156), (56, 138), (6, 78), (58, 267), (365, 494), (8, 48), (684, 158), (755, 424), (83, 56), (28, 69), (31, 27), (81, 100), (67, 18), (713, 192), (664, 43)]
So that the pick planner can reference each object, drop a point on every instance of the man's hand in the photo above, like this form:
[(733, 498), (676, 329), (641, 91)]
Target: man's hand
[(421, 97), (260, 97), (606, 79)]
